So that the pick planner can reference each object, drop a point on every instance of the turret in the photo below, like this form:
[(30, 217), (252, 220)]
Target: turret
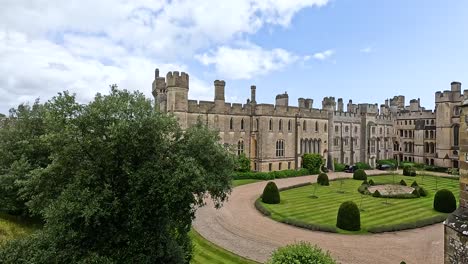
[(329, 104), (340, 105), (414, 105), (456, 86), (253, 92), (177, 91), (301, 102), (159, 92), (282, 99), (309, 103)]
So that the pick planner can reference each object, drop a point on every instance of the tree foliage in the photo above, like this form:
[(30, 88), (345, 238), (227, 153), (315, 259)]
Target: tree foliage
[(243, 163), (113, 180)]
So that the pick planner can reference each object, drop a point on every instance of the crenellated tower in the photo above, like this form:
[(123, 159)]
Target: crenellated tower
[(159, 92), (177, 91)]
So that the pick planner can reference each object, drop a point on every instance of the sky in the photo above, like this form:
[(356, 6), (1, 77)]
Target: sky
[(363, 50)]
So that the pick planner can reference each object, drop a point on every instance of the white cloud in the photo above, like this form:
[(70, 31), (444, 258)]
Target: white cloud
[(246, 62), (324, 54), (367, 50), (48, 46)]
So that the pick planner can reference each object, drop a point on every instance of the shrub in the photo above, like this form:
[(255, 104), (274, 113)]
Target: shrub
[(349, 217), (270, 175), (271, 194), (339, 166), (312, 162), (402, 182), (415, 193), (363, 189), (243, 163), (365, 182), (322, 179), (363, 166), (371, 182), (414, 184), (376, 194), (324, 169), (444, 201), (360, 175), (409, 171), (391, 162), (422, 191), (301, 252)]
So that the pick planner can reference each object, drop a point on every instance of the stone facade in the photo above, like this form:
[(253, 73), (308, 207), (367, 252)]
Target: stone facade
[(456, 225), (275, 137)]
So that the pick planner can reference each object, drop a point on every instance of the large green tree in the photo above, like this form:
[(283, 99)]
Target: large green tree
[(122, 183)]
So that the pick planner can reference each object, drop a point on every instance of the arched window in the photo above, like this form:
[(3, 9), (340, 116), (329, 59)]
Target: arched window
[(304, 125), (336, 129), (316, 126), (240, 147), (380, 131), (432, 122), (280, 148), (280, 125), (346, 129), (271, 125), (289, 125), (258, 124), (242, 124), (231, 123), (456, 130)]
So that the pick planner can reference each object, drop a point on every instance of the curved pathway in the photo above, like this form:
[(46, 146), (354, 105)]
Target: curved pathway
[(241, 229)]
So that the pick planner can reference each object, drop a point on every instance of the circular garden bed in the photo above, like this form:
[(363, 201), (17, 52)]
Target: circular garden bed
[(378, 214)]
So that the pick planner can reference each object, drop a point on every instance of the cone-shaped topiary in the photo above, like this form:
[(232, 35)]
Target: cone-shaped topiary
[(376, 194), (360, 175), (349, 217), (271, 194), (365, 182), (322, 179), (414, 184), (402, 182), (415, 192), (444, 201), (422, 191), (371, 182)]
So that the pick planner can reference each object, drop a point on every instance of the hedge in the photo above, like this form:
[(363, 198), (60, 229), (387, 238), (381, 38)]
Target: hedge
[(313, 227), (270, 175), (405, 226), (339, 166), (261, 208), (363, 166)]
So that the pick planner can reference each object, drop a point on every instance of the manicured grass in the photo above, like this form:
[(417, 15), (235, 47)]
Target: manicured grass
[(13, 227), (206, 252), (296, 203), (236, 183)]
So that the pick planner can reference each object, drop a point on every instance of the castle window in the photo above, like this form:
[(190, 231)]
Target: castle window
[(336, 141), (456, 111), (289, 165), (432, 122), (289, 125), (373, 130), (270, 166), (280, 125), (242, 124), (231, 123), (280, 148), (258, 124), (346, 129), (456, 130), (325, 128), (316, 126), (380, 131), (240, 147), (355, 130), (304, 126), (406, 122), (280, 166), (271, 125), (336, 129)]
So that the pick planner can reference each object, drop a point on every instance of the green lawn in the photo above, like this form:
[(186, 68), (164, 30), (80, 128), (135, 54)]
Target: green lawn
[(12, 227), (296, 203), (206, 252), (236, 183)]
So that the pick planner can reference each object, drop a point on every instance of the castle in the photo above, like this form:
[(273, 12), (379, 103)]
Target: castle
[(275, 137)]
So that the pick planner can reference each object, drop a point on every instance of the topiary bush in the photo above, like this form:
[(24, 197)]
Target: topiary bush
[(301, 252), (376, 194), (371, 182), (360, 175), (322, 179), (422, 191), (414, 184), (365, 182), (415, 192), (409, 171), (349, 217), (271, 194), (312, 162), (402, 182), (444, 201)]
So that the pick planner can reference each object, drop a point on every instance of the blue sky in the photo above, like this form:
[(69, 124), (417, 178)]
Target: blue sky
[(362, 50)]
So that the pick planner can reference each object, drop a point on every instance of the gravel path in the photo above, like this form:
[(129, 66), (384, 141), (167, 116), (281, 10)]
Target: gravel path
[(240, 228)]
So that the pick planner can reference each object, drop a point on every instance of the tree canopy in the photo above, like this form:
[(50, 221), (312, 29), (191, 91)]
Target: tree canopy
[(114, 180)]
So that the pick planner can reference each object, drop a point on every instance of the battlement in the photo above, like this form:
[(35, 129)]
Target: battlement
[(368, 108), (426, 114), (448, 96), (176, 79)]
